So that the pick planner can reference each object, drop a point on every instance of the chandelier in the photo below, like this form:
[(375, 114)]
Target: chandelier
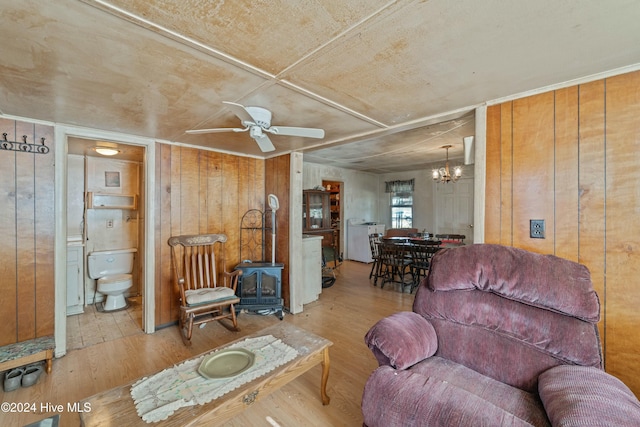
[(443, 175)]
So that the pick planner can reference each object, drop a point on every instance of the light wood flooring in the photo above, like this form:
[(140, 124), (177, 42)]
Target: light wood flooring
[(343, 314)]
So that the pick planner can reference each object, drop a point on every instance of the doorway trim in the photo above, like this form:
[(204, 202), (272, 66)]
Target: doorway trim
[(480, 174), (62, 133)]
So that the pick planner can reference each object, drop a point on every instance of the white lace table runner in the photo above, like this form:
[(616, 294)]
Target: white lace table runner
[(159, 396)]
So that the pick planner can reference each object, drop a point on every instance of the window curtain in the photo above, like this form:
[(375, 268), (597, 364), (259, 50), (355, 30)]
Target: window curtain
[(400, 186)]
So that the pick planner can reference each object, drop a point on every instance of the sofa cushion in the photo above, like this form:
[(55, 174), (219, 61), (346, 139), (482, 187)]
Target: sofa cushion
[(412, 399), (402, 339), (581, 396), (544, 281)]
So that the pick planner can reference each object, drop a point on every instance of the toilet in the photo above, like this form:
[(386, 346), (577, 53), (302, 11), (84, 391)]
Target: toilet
[(113, 271)]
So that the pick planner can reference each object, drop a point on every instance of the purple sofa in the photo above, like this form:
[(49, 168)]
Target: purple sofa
[(498, 336)]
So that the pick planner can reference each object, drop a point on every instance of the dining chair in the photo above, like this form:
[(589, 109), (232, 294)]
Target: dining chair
[(374, 244), (195, 269), (394, 262), (421, 254)]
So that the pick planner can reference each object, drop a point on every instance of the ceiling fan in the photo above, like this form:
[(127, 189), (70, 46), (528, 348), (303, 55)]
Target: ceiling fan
[(257, 121)]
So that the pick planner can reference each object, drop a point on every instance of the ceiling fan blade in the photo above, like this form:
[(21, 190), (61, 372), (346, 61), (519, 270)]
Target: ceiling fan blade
[(293, 131), (264, 143), (215, 130), (239, 111)]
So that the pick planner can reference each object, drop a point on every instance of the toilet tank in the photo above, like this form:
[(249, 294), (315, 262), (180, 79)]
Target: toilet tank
[(106, 263)]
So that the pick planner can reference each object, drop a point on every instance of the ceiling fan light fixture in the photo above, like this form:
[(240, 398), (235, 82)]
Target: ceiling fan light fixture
[(255, 132)]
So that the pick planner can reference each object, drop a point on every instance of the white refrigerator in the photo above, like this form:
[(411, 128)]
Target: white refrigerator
[(358, 232)]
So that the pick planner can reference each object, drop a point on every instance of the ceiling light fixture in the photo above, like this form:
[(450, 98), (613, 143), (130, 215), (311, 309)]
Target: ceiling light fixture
[(107, 151), (443, 175)]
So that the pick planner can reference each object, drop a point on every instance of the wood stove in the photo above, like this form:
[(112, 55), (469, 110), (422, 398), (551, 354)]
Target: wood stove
[(260, 287)]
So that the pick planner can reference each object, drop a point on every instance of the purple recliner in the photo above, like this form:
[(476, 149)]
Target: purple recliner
[(498, 336)]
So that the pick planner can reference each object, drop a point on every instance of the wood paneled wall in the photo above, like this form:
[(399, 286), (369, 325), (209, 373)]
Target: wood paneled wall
[(572, 158), (27, 232), (200, 191), (197, 191), (278, 182)]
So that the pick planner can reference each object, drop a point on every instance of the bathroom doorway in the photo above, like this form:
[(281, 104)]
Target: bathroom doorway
[(97, 226)]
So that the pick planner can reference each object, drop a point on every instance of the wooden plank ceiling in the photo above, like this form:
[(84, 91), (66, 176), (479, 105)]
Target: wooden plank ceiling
[(372, 73)]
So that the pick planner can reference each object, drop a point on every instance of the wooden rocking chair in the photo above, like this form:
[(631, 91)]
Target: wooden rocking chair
[(201, 299)]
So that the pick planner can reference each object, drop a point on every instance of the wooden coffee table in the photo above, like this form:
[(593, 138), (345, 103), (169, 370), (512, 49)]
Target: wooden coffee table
[(116, 407)]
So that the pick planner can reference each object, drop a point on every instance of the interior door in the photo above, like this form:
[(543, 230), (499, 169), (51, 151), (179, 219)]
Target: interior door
[(454, 208)]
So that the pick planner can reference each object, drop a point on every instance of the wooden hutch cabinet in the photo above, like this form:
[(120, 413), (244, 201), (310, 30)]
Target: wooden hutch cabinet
[(315, 210), (316, 216)]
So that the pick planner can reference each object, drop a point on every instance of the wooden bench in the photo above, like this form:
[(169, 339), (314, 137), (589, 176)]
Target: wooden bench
[(26, 352)]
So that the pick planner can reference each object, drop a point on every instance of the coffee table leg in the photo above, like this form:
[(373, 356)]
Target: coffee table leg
[(325, 377)]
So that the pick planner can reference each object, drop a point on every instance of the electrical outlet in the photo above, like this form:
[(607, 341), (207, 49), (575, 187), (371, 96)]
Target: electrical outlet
[(109, 223), (536, 228)]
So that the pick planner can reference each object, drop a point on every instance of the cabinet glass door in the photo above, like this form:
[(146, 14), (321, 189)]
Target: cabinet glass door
[(315, 211)]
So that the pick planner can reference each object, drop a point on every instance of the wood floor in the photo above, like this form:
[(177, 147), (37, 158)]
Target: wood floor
[(343, 314)]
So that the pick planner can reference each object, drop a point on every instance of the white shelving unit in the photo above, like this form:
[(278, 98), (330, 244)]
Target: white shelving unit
[(112, 201)]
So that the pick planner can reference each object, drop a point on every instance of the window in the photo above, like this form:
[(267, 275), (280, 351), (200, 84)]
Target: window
[(401, 209), (401, 202)]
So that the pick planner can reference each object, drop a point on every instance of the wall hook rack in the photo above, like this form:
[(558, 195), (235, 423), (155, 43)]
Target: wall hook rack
[(23, 146)]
